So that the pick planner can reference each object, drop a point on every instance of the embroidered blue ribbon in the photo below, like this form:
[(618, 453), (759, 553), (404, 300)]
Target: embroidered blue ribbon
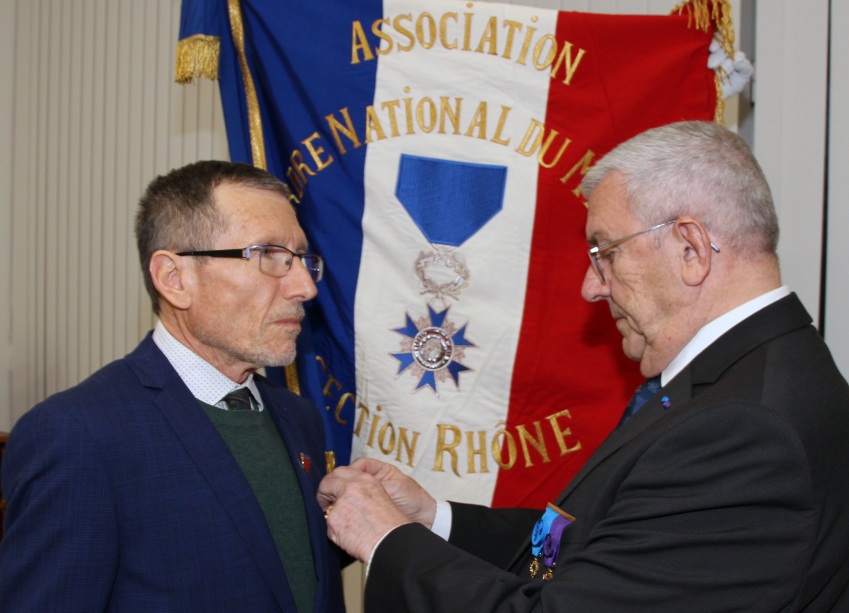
[(449, 201)]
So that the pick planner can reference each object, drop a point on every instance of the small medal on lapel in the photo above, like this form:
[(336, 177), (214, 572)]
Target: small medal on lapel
[(665, 401), (305, 462)]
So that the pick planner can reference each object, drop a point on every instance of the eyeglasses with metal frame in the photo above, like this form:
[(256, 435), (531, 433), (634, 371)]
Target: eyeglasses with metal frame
[(595, 252), (274, 260)]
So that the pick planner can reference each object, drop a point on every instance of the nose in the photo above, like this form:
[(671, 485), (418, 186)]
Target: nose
[(298, 284), (592, 289)]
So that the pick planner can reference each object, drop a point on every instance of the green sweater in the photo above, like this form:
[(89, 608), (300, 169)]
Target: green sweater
[(254, 441)]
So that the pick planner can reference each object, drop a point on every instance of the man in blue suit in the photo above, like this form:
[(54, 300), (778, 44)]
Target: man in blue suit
[(177, 479)]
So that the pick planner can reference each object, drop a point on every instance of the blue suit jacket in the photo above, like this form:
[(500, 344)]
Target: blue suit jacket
[(122, 496)]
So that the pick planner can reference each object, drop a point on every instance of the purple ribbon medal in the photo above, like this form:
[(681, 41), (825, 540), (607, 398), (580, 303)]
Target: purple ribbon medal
[(545, 539), (551, 543)]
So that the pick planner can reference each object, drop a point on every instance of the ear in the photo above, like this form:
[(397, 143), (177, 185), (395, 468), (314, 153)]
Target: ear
[(172, 278), (695, 254)]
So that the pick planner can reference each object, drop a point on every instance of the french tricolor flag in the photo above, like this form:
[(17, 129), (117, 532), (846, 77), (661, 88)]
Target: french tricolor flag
[(435, 149)]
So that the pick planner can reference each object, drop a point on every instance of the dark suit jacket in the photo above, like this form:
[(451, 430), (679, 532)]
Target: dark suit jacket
[(734, 498), (122, 496)]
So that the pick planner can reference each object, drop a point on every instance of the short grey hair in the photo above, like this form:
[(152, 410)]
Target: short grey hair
[(696, 168), (178, 212)]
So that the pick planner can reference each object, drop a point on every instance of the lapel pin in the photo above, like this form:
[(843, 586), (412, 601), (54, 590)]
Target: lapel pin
[(305, 462), (665, 401)]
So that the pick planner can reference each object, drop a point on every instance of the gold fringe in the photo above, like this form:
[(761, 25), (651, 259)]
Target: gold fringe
[(719, 114), (292, 383), (197, 56), (716, 14), (330, 460), (254, 118), (255, 129), (707, 13)]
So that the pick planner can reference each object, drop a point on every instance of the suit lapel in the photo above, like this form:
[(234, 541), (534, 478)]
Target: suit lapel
[(779, 318), (216, 463), (678, 391), (774, 320), (308, 482)]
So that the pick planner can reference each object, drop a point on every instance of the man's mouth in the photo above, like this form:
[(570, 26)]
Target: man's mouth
[(289, 321)]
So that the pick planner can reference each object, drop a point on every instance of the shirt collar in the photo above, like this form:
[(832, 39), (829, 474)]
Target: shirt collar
[(205, 382), (719, 326)]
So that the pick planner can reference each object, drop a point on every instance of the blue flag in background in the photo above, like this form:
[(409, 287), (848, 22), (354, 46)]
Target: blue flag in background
[(305, 68)]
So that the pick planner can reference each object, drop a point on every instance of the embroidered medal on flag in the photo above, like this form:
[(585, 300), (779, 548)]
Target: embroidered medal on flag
[(431, 350)]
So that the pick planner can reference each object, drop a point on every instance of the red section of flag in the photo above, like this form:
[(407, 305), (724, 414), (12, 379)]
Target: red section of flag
[(638, 72)]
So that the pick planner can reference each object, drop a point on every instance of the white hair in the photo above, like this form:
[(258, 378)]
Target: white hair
[(696, 168)]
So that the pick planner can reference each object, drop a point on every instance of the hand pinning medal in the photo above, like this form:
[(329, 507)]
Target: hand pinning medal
[(545, 539)]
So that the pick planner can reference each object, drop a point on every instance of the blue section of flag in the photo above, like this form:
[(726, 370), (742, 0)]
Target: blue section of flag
[(455, 368), (203, 17), (301, 75), (405, 358), (212, 19), (460, 339), (428, 378), (408, 330), (436, 319), (449, 201)]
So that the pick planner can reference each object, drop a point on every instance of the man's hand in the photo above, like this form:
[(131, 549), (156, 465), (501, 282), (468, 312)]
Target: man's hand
[(359, 512), (409, 496)]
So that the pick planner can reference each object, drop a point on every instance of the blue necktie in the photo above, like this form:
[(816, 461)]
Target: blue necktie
[(649, 388)]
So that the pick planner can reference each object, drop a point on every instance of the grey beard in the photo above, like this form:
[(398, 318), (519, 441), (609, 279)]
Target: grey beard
[(258, 358)]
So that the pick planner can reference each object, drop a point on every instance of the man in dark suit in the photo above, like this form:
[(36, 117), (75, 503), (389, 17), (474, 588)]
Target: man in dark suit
[(176, 478), (724, 488)]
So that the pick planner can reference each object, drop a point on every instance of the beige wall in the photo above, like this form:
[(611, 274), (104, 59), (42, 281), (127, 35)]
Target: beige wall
[(837, 290), (790, 131), (7, 38), (93, 115)]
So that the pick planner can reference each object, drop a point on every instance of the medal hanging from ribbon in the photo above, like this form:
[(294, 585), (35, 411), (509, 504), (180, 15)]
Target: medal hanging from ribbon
[(450, 202), (545, 540)]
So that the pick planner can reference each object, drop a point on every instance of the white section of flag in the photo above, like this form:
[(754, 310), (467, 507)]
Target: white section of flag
[(497, 256)]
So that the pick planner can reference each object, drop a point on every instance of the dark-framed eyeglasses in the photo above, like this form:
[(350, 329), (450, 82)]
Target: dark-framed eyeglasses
[(596, 252), (274, 260)]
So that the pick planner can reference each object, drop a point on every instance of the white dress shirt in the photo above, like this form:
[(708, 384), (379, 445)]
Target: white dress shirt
[(701, 341), (205, 382), (719, 326)]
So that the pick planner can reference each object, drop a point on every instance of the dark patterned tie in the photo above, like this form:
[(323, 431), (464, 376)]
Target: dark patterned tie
[(648, 389), (239, 399)]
